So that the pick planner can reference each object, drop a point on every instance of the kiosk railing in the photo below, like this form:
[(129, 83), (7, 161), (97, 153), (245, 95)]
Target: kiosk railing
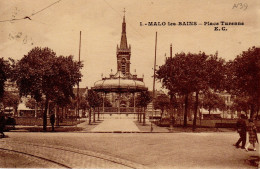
[(116, 109)]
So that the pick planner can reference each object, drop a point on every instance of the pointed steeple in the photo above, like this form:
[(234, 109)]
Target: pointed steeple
[(123, 52), (123, 43)]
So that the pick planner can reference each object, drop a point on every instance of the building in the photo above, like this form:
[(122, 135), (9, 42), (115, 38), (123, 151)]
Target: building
[(120, 88)]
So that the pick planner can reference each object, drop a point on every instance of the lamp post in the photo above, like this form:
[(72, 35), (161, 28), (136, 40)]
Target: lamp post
[(77, 109), (154, 78)]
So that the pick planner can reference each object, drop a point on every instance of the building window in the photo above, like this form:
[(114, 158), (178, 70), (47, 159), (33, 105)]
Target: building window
[(123, 66)]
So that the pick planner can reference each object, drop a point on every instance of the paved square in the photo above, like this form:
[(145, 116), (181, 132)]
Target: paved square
[(114, 125), (210, 150)]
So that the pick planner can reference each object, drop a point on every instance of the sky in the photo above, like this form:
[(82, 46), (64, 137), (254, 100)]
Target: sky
[(57, 25)]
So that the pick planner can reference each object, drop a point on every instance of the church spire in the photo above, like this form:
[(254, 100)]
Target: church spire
[(123, 44), (123, 52)]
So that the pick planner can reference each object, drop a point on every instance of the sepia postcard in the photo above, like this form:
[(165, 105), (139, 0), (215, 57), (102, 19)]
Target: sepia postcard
[(110, 106)]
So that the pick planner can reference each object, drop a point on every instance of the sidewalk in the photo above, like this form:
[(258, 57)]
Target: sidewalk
[(110, 125)]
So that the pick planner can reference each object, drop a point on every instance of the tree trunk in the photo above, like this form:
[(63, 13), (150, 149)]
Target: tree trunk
[(45, 114), (186, 110), (200, 117), (144, 117), (252, 112), (58, 115), (89, 116), (141, 116), (94, 116), (162, 113), (172, 110), (195, 112), (61, 114), (98, 113), (138, 116)]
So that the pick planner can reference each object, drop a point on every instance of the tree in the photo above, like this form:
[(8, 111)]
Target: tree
[(42, 74), (4, 75), (143, 100), (241, 103), (182, 75), (162, 102), (94, 100), (11, 100), (244, 75), (213, 101), (216, 73), (31, 103), (83, 105), (185, 74), (107, 103)]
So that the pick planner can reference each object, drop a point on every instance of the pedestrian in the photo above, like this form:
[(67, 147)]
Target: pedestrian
[(2, 123), (252, 135), (241, 129), (52, 120)]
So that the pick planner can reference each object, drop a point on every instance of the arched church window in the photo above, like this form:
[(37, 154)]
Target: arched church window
[(123, 66)]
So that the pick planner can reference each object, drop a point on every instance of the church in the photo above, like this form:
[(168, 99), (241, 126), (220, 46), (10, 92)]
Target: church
[(121, 88)]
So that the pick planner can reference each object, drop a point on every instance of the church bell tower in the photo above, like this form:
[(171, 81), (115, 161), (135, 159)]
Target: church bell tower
[(123, 52)]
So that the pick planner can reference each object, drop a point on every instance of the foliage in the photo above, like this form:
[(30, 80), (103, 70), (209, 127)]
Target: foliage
[(4, 74), (143, 99), (162, 102), (11, 100), (42, 74), (216, 73), (244, 75), (131, 101), (180, 73), (94, 99), (185, 74), (213, 101), (83, 104), (31, 103), (107, 103), (240, 103)]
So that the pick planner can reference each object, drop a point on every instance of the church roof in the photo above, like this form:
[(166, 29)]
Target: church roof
[(123, 43)]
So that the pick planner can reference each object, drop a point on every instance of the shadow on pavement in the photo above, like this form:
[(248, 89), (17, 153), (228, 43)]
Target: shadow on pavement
[(253, 161)]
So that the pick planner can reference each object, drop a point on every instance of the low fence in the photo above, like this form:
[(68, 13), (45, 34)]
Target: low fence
[(116, 109), (32, 121)]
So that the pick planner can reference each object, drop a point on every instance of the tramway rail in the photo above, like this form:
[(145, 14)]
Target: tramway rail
[(120, 163)]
